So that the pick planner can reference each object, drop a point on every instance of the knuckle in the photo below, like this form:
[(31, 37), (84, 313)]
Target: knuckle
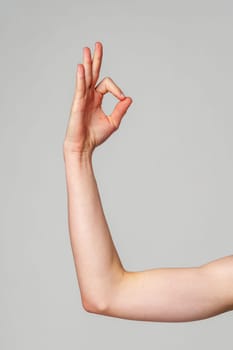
[(108, 79)]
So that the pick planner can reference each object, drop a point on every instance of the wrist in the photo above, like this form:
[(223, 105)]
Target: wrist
[(80, 157)]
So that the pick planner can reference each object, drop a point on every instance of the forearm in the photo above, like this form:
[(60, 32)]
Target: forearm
[(98, 266)]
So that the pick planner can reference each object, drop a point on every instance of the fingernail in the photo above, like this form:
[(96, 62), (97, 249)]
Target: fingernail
[(122, 94)]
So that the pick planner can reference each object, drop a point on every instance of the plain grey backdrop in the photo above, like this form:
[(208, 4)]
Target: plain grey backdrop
[(165, 177)]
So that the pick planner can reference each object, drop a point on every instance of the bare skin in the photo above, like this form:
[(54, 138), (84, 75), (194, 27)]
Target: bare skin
[(106, 287)]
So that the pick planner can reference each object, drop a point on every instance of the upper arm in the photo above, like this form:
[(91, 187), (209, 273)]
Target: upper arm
[(174, 294)]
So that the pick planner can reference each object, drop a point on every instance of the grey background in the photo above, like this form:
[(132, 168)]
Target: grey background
[(165, 176)]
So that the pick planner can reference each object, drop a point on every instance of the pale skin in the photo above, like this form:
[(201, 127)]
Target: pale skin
[(106, 287)]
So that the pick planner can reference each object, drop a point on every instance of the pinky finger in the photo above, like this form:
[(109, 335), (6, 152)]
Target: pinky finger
[(80, 81), (80, 89)]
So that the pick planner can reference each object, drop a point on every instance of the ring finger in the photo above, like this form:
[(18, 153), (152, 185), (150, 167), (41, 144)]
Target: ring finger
[(87, 62)]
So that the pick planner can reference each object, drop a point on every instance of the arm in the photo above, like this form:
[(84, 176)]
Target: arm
[(165, 294), (98, 267)]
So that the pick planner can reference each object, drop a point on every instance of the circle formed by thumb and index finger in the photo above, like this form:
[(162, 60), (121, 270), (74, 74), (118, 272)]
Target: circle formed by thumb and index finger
[(119, 111), (108, 85)]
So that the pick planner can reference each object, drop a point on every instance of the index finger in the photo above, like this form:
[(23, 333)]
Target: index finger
[(97, 60)]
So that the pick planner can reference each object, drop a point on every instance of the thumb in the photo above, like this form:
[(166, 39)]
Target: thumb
[(120, 110)]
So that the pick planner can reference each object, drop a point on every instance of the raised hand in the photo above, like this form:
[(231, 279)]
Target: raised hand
[(88, 125)]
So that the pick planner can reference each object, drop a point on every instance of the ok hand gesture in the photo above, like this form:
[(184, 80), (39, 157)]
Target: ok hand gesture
[(88, 125)]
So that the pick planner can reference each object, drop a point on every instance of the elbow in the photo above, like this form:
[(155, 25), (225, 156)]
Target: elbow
[(94, 306)]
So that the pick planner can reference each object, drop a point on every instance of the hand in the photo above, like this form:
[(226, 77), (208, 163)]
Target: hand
[(88, 125)]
